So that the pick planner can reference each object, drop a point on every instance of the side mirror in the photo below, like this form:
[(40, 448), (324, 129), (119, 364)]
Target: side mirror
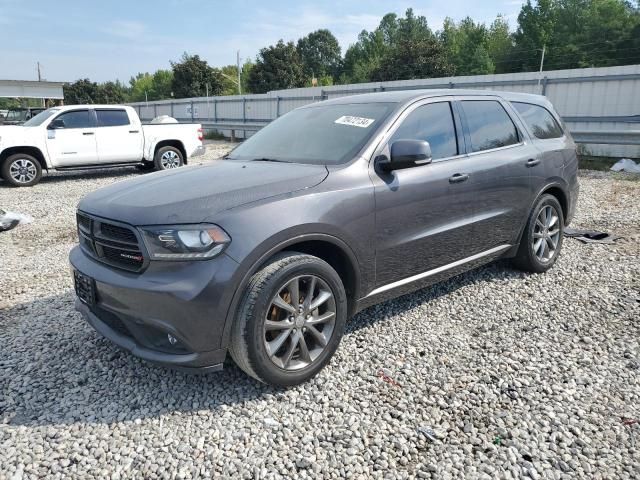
[(57, 123), (407, 154)]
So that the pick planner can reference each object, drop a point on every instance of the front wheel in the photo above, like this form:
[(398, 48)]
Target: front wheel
[(542, 238), (167, 158), (21, 170), (290, 321)]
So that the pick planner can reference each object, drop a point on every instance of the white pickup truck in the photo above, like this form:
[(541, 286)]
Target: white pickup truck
[(92, 136)]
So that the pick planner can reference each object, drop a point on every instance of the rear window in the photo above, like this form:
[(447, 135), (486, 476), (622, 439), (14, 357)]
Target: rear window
[(539, 120), (489, 125), (112, 118)]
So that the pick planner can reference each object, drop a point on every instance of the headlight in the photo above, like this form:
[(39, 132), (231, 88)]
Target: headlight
[(185, 242)]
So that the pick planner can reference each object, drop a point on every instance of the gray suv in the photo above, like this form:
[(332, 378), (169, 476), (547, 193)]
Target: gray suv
[(329, 209)]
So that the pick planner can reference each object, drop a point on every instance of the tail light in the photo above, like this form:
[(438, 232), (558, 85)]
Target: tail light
[(200, 134)]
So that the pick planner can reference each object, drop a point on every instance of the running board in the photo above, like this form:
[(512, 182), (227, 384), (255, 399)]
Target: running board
[(96, 167), (429, 273)]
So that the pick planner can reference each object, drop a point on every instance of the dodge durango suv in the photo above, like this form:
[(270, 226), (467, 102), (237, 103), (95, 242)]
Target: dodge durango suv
[(329, 209)]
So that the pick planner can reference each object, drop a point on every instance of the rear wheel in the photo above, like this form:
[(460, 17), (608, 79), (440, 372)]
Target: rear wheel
[(21, 170), (167, 158), (291, 320), (542, 239)]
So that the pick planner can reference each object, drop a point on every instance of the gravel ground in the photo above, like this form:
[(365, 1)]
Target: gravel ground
[(494, 374)]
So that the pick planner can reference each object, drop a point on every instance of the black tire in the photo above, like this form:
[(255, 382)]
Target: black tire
[(146, 166), (177, 160), (249, 336), (29, 170), (528, 258)]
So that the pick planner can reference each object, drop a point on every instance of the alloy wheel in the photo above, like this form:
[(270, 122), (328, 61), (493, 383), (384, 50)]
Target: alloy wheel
[(170, 159), (23, 170), (546, 233), (299, 322)]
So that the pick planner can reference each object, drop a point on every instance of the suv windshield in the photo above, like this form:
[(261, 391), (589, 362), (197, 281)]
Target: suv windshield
[(325, 134), (41, 117)]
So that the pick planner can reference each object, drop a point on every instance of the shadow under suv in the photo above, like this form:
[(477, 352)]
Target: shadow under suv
[(329, 209)]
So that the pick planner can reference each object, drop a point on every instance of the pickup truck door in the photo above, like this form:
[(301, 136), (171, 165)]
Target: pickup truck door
[(71, 139), (119, 138)]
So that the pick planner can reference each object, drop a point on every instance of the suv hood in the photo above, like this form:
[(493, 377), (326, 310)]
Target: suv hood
[(191, 194)]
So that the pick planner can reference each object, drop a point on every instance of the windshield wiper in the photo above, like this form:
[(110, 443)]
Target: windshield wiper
[(264, 159)]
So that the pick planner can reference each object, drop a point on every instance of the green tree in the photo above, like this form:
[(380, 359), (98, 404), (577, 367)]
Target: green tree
[(320, 54), (399, 48), (191, 75), (467, 47), (499, 43), (576, 34), (162, 84), (277, 67), (80, 92), (111, 93)]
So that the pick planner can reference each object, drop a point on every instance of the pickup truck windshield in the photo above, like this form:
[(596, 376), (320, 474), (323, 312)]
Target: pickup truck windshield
[(40, 118), (323, 134)]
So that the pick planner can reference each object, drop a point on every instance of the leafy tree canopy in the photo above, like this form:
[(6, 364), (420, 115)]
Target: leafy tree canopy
[(320, 54), (277, 67), (193, 77)]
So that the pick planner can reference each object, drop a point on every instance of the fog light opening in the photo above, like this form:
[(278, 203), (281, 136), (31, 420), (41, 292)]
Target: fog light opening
[(172, 340)]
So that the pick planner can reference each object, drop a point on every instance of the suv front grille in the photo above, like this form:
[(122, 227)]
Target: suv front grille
[(110, 243)]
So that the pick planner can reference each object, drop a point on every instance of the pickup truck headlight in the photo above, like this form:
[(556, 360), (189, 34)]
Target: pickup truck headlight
[(185, 242)]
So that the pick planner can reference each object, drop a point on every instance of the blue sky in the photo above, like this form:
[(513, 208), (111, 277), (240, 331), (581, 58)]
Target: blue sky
[(115, 39)]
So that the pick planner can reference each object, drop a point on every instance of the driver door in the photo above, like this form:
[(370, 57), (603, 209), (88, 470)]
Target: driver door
[(71, 139)]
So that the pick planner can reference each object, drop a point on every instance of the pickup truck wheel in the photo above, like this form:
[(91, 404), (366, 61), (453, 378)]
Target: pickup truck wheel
[(542, 238), (167, 158), (290, 321), (21, 170)]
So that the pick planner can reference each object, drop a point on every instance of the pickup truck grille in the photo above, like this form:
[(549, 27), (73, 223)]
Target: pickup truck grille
[(114, 244)]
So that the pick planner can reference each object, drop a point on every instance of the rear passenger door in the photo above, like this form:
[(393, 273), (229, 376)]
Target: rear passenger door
[(555, 149), (500, 156), (424, 214), (118, 138)]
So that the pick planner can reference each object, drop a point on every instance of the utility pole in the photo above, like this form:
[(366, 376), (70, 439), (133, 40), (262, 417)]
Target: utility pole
[(544, 47), (40, 79), (238, 63)]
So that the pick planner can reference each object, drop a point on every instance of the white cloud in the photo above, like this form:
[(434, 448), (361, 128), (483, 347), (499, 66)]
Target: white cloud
[(126, 29)]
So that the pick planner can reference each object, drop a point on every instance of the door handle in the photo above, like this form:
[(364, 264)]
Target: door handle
[(87, 133), (134, 131), (532, 162), (459, 177)]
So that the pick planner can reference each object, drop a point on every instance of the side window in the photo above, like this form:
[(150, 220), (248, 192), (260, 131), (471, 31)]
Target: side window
[(539, 120), (75, 119), (112, 118), (489, 125), (434, 123)]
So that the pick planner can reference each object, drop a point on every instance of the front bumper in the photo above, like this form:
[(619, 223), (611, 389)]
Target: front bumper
[(187, 300), (199, 151)]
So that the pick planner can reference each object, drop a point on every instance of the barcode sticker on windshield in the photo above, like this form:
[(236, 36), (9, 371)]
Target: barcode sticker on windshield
[(355, 121)]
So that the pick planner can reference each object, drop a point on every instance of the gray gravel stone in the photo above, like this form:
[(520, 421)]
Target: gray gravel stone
[(516, 375)]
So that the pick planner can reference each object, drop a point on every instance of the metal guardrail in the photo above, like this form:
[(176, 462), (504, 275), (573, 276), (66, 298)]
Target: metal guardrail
[(607, 137)]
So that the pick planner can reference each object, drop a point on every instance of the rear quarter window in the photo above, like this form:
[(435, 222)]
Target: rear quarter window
[(542, 124)]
